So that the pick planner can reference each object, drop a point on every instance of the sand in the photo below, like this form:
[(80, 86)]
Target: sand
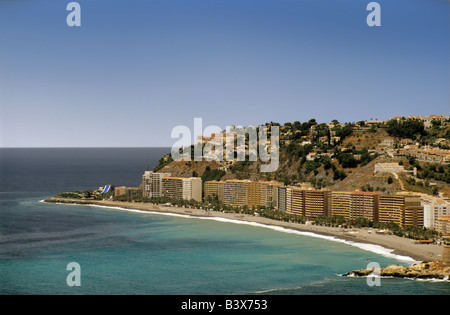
[(399, 245)]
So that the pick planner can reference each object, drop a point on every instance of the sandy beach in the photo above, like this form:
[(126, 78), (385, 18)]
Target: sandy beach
[(399, 245)]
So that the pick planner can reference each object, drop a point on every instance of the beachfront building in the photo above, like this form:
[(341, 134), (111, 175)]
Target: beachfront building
[(281, 198), (182, 187), (192, 188), (317, 203), (253, 194), (390, 208), (128, 191), (284, 198), (364, 206), (355, 205), (297, 201), (244, 192), (413, 211), (304, 202), (269, 193), (235, 192), (214, 189), (400, 209), (152, 184), (433, 208), (443, 225), (341, 203)]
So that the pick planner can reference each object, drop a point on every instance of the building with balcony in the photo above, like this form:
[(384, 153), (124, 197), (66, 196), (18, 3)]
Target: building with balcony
[(152, 184), (182, 187), (214, 189)]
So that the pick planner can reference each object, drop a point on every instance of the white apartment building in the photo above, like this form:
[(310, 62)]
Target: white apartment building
[(182, 187), (152, 184), (192, 188), (434, 209)]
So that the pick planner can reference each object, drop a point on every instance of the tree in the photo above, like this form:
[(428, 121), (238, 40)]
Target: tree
[(312, 121), (435, 191), (347, 160), (406, 129), (337, 174), (211, 174)]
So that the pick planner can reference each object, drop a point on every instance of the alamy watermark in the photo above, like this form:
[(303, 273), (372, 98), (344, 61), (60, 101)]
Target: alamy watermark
[(374, 17), (374, 278), (74, 17), (229, 145), (74, 277)]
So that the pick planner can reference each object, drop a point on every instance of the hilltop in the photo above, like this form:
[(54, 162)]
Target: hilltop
[(344, 156)]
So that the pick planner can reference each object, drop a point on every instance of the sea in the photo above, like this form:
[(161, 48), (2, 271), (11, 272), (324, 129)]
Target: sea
[(123, 252)]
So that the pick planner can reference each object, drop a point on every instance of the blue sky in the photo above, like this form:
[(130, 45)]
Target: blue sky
[(135, 69)]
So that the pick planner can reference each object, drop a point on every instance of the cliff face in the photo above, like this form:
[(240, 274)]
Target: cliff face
[(432, 270)]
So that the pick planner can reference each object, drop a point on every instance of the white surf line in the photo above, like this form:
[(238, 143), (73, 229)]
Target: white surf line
[(377, 249)]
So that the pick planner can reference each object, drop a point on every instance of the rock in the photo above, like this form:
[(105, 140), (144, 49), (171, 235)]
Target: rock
[(426, 270)]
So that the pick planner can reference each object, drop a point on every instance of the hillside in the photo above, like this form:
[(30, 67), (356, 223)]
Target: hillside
[(342, 157)]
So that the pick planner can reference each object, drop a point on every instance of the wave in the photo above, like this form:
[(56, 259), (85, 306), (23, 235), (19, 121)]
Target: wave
[(373, 275), (274, 290), (377, 249)]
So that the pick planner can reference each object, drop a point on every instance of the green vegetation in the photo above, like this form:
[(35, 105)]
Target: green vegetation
[(212, 174), (166, 160), (346, 159), (412, 184), (324, 154), (434, 171), (406, 129), (339, 174), (70, 195), (390, 180)]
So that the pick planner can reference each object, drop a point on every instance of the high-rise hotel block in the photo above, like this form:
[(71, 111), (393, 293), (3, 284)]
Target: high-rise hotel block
[(243, 192), (413, 211), (317, 203), (214, 189), (163, 185), (235, 192), (182, 187), (268, 192), (304, 202), (152, 184), (354, 205), (401, 209)]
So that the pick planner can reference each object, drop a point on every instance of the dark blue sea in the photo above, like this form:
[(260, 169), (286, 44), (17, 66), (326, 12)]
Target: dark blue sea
[(124, 252)]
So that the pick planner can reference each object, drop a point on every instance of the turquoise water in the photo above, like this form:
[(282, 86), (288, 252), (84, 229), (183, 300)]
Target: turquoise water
[(122, 252)]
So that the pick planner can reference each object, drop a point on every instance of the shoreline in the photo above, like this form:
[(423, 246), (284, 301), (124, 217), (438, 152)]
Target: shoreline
[(389, 245)]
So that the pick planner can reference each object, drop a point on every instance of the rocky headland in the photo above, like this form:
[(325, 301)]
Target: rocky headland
[(425, 270)]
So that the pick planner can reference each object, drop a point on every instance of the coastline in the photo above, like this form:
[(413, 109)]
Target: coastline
[(389, 245)]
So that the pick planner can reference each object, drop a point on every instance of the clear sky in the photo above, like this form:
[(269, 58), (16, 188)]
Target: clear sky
[(135, 69)]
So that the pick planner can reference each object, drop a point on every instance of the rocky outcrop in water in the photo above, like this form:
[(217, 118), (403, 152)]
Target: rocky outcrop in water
[(424, 270)]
